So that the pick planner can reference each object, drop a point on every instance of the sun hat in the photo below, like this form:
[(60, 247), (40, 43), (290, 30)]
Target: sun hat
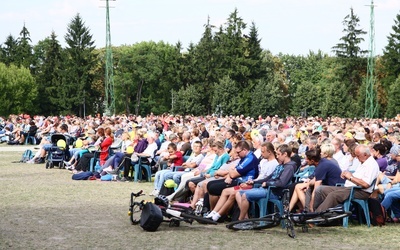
[(360, 136)]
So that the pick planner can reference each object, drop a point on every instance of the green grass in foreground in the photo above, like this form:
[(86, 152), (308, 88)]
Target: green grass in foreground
[(45, 209)]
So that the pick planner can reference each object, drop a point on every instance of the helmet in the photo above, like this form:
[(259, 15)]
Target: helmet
[(129, 150), (161, 200), (78, 143), (170, 184), (61, 144)]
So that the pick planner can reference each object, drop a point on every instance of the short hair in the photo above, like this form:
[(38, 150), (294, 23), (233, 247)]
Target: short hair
[(314, 155), (243, 145), (231, 131), (313, 140), (380, 148), (284, 148), (364, 149), (64, 127), (173, 146), (328, 149), (199, 143), (269, 146)]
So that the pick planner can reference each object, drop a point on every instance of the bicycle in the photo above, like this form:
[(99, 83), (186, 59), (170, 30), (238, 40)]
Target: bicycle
[(174, 213), (290, 219)]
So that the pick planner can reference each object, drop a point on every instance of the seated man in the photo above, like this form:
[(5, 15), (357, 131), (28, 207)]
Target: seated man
[(280, 178), (328, 196), (327, 172), (247, 168)]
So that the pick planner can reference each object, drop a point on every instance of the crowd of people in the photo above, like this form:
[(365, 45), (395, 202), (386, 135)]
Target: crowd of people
[(218, 162)]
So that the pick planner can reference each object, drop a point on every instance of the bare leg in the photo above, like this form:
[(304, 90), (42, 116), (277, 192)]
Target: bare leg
[(228, 204), (244, 207), (213, 201)]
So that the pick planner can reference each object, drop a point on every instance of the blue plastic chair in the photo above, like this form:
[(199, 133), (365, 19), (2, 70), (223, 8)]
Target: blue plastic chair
[(95, 160), (263, 204), (363, 204), (305, 173), (143, 163)]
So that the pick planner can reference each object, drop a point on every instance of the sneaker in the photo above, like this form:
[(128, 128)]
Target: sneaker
[(30, 162), (209, 215), (216, 217), (40, 161), (155, 193)]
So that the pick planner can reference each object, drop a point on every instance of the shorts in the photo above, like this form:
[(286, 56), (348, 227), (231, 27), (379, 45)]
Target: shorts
[(257, 194)]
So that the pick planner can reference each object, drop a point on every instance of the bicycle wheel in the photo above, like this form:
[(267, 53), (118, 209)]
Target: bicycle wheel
[(135, 213), (328, 217), (198, 219), (255, 223)]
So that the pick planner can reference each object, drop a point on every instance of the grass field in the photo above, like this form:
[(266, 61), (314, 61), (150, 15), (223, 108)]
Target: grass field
[(44, 209)]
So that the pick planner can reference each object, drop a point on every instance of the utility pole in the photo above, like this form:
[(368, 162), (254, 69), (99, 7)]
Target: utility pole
[(109, 76), (371, 97)]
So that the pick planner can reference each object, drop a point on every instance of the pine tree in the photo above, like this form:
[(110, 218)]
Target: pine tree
[(350, 45), (391, 55), (24, 49), (80, 62)]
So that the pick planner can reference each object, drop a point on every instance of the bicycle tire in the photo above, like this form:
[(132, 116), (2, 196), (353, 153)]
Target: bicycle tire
[(328, 217), (134, 210), (255, 223)]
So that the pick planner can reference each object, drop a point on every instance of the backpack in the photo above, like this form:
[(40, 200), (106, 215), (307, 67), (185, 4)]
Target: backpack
[(151, 217), (26, 156), (82, 176), (377, 212)]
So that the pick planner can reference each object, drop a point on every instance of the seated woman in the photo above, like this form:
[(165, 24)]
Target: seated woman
[(209, 174), (114, 161), (388, 178), (104, 142)]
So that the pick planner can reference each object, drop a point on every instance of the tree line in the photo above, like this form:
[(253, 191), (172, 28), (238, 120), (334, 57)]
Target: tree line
[(226, 72)]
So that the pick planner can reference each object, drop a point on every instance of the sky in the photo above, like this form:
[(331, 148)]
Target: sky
[(284, 26)]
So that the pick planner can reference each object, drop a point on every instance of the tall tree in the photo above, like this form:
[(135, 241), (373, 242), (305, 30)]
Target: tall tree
[(350, 55), (24, 48), (349, 47), (9, 50), (80, 62), (391, 57), (49, 67)]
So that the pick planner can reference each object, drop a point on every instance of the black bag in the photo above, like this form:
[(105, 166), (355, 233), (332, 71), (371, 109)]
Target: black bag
[(377, 212), (166, 191), (151, 217)]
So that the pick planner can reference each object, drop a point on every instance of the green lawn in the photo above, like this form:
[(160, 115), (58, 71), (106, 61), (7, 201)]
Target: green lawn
[(44, 209)]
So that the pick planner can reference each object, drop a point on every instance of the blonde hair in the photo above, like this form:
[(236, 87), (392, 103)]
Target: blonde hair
[(328, 149)]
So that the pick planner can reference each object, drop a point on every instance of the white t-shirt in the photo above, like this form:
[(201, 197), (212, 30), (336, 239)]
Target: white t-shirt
[(266, 168), (368, 172)]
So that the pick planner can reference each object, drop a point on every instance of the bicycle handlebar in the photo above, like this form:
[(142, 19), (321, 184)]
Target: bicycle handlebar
[(138, 193)]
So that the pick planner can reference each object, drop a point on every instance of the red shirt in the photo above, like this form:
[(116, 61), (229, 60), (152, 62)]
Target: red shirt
[(104, 149), (178, 161)]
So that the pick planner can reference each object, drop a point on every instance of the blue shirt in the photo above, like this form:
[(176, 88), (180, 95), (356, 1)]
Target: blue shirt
[(248, 167), (328, 172)]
